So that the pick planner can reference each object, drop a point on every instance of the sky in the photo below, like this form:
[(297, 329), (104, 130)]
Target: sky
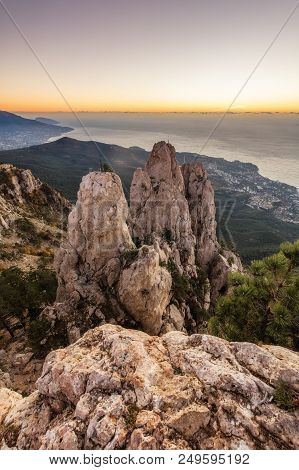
[(149, 55)]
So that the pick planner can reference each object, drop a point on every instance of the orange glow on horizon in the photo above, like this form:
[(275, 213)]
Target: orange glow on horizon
[(29, 107), (188, 58)]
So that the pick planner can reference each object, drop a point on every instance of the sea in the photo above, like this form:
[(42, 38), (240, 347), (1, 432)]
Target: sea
[(270, 141)]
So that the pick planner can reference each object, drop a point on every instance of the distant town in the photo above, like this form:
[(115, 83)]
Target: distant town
[(279, 198)]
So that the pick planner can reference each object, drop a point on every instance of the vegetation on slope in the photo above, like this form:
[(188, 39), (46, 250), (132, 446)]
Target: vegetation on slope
[(263, 305), (23, 295)]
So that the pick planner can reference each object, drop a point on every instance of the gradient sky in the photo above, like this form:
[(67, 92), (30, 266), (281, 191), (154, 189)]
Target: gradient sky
[(149, 55)]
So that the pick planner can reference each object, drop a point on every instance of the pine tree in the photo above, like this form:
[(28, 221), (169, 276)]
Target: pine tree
[(263, 305)]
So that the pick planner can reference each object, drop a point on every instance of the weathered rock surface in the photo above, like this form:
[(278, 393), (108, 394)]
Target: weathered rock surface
[(158, 204), (200, 196), (21, 192), (97, 236), (140, 267), (144, 289), (20, 369), (8, 399), (177, 204), (122, 389), (5, 380)]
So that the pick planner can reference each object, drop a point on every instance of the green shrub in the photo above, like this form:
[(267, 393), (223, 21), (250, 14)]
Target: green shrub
[(283, 396), (26, 229), (180, 282), (188, 290), (105, 168), (167, 235), (130, 256), (131, 415), (264, 303), (36, 333), (41, 330), (24, 225), (177, 371), (8, 255), (23, 293), (4, 178)]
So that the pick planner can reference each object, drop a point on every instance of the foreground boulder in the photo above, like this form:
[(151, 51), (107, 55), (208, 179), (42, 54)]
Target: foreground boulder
[(122, 389)]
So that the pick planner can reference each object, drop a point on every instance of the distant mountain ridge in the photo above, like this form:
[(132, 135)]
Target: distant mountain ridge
[(17, 132), (47, 121)]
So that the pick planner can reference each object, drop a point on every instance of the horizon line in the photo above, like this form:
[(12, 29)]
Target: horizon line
[(150, 112)]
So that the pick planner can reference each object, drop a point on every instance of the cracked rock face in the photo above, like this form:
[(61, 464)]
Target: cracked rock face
[(23, 194), (122, 389), (177, 204), (158, 204), (200, 196), (172, 221), (97, 235)]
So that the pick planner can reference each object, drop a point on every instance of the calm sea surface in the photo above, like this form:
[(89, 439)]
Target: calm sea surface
[(271, 141)]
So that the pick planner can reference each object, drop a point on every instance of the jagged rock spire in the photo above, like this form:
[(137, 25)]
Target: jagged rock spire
[(200, 196), (97, 235), (158, 204), (146, 273)]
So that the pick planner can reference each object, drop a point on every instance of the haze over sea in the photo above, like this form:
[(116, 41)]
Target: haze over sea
[(271, 141)]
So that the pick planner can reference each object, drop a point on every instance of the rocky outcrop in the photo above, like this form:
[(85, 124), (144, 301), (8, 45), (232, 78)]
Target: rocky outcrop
[(144, 290), (177, 204), (148, 266), (97, 237), (200, 196), (89, 263), (102, 276), (24, 193), (175, 207), (32, 218), (158, 204), (122, 389)]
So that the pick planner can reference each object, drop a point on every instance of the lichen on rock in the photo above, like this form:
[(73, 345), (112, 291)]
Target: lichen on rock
[(122, 389)]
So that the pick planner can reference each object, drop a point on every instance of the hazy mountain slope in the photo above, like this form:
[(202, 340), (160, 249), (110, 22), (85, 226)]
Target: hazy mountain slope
[(64, 162), (47, 121), (254, 212), (16, 131)]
